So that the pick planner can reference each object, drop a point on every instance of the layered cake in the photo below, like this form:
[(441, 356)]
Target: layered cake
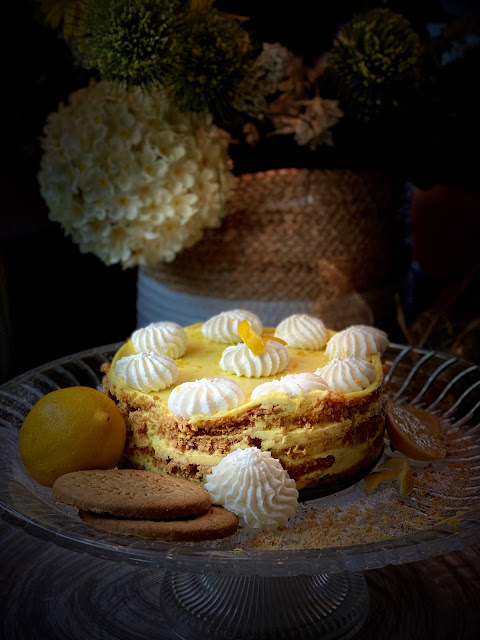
[(309, 396)]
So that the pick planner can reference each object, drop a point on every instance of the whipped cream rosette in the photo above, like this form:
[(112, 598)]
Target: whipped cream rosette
[(256, 487), (224, 326), (294, 384), (147, 371), (161, 337), (205, 397), (358, 340), (240, 360), (348, 374), (302, 331)]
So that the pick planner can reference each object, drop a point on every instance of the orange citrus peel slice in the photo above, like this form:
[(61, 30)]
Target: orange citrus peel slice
[(251, 338), (393, 469), (429, 421), (415, 434), (373, 479), (403, 474)]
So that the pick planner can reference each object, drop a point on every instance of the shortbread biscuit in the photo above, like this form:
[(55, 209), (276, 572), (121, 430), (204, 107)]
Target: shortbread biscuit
[(217, 522), (131, 493)]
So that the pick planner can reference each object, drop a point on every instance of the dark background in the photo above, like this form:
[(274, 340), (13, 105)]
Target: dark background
[(55, 301)]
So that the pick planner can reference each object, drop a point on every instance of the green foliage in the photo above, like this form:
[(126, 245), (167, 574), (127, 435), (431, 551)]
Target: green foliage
[(375, 63), (129, 41), (198, 53), (212, 54)]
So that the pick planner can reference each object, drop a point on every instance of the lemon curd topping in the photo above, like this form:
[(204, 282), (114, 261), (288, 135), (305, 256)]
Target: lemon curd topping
[(202, 358)]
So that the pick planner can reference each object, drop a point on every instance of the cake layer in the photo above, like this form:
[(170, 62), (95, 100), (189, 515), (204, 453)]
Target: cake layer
[(318, 437)]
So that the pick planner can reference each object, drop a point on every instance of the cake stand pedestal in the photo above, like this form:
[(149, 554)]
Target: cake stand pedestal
[(218, 606), (52, 592)]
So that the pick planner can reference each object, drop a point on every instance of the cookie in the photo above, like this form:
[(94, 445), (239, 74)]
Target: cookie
[(131, 493), (216, 522)]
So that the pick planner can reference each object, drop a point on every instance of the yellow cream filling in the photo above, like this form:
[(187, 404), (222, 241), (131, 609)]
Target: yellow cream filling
[(344, 458)]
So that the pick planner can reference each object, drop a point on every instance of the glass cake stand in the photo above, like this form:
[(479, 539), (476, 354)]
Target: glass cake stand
[(292, 588)]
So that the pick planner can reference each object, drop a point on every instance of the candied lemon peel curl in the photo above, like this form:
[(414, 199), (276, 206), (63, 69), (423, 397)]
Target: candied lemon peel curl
[(251, 338), (254, 341)]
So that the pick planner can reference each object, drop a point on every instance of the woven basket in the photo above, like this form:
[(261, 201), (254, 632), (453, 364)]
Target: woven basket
[(334, 240)]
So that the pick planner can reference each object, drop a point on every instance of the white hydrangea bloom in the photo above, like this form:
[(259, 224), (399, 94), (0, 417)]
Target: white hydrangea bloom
[(130, 178)]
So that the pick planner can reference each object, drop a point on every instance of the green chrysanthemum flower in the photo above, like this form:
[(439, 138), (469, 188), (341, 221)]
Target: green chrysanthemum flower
[(129, 41), (375, 59), (211, 56)]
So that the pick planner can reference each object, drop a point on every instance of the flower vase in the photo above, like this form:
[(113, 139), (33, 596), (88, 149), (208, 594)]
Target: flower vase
[(331, 243)]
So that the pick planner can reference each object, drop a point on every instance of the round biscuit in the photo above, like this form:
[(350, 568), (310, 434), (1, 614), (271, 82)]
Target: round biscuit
[(131, 493), (216, 522)]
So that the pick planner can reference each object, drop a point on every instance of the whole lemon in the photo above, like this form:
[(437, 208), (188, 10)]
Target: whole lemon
[(71, 429)]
